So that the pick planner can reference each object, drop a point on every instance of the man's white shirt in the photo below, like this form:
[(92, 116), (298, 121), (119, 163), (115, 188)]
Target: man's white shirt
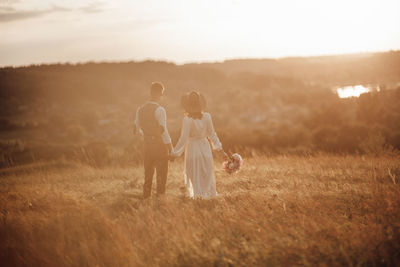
[(161, 117)]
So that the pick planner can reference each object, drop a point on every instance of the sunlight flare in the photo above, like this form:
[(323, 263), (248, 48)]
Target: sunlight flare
[(352, 91)]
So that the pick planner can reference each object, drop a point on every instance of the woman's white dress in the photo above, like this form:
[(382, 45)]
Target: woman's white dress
[(195, 139)]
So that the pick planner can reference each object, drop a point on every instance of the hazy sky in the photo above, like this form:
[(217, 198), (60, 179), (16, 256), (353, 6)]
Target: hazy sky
[(36, 31)]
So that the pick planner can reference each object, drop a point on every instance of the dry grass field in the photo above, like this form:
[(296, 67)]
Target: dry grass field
[(277, 211)]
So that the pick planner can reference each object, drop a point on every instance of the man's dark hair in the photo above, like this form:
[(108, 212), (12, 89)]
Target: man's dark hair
[(156, 89)]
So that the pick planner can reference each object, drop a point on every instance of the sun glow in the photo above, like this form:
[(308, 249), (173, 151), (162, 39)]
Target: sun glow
[(352, 91), (186, 31)]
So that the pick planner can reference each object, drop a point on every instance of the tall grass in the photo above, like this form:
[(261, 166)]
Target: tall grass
[(321, 210)]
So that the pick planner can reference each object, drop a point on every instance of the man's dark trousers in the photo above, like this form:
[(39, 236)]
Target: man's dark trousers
[(155, 159)]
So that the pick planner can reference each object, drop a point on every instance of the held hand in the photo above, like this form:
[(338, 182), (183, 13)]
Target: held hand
[(169, 148), (171, 157)]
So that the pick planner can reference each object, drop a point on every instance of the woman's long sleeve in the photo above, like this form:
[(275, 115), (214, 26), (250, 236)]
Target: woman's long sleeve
[(183, 139), (212, 135)]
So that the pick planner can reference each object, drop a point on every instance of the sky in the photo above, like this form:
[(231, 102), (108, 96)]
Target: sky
[(181, 31)]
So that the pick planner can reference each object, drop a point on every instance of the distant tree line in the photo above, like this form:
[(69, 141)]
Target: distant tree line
[(85, 111)]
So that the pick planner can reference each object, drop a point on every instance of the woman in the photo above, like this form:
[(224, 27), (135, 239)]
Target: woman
[(197, 127)]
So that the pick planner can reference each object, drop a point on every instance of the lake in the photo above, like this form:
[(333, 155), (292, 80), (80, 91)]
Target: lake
[(355, 90)]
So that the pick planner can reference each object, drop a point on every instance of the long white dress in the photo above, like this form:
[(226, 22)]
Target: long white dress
[(195, 139)]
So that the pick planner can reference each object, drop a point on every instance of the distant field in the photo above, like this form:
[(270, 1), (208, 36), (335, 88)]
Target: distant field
[(86, 111), (322, 210)]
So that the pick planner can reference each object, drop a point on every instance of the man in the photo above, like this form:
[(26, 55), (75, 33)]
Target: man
[(151, 123)]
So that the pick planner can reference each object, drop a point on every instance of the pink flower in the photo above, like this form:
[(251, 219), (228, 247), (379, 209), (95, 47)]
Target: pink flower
[(233, 164)]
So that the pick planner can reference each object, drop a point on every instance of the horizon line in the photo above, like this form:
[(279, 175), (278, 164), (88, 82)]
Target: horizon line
[(189, 62)]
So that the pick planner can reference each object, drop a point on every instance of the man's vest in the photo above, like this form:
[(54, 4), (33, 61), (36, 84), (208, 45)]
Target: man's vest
[(152, 130)]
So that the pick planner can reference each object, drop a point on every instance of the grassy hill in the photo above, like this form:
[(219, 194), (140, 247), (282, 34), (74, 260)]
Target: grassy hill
[(280, 211), (319, 185)]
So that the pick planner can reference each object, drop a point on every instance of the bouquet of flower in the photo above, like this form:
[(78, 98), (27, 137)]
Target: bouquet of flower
[(233, 164)]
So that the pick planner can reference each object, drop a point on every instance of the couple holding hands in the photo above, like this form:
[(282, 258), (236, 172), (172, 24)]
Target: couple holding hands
[(196, 135)]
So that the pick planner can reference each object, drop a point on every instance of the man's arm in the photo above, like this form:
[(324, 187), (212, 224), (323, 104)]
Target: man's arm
[(169, 147), (161, 117), (136, 126)]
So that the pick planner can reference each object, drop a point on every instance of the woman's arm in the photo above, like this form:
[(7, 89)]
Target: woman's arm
[(212, 135), (180, 146)]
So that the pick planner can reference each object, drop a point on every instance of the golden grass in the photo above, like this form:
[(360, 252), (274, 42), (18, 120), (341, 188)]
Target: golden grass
[(322, 210)]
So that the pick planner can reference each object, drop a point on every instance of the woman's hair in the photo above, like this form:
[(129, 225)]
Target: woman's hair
[(193, 103)]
